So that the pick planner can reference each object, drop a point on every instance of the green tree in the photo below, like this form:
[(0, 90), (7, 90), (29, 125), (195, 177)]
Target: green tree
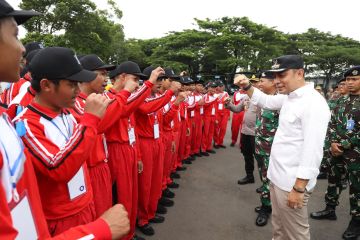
[(77, 24)]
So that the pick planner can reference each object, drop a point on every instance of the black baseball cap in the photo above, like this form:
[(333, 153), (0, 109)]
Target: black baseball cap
[(219, 83), (112, 74), (354, 71), (186, 80), (212, 85), (20, 16), (29, 47), (286, 62), (268, 75), (57, 63), (92, 62), (31, 55), (169, 73), (128, 67), (148, 70)]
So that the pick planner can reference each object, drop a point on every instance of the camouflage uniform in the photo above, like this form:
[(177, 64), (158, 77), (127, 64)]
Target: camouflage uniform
[(344, 128), (266, 125)]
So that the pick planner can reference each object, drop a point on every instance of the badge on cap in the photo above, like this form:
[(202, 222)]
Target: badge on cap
[(355, 72), (276, 65)]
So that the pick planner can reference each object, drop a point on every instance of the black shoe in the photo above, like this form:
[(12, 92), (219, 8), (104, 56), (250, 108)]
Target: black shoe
[(180, 168), (167, 193), (161, 209), (246, 180), (173, 185), (257, 209), (198, 155), (157, 219), (216, 146), (187, 161), (322, 175), (210, 151), (147, 230), (205, 154), (175, 175), (263, 216), (222, 146), (259, 189), (136, 237), (166, 202), (328, 213), (353, 230), (232, 144), (191, 158)]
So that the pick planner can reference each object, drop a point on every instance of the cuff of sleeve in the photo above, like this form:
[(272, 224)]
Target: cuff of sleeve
[(124, 93), (100, 229), (149, 84), (90, 120), (307, 173)]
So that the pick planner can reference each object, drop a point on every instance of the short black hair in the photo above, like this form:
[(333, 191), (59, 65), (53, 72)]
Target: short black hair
[(35, 83)]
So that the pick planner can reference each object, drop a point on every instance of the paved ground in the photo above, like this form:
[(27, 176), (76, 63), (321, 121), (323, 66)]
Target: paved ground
[(210, 205)]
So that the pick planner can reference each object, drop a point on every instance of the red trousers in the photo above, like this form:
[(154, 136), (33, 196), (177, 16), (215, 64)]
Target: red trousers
[(102, 187), (190, 125), (182, 143), (123, 163), (168, 139), (85, 216), (175, 162), (197, 132), (150, 180), (220, 128), (236, 125), (209, 128)]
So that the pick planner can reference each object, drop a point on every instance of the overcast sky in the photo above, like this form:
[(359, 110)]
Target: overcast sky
[(154, 18)]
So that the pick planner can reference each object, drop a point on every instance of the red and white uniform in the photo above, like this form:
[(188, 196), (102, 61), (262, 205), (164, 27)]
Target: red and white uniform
[(170, 113), (28, 208), (184, 129), (123, 146), (152, 155), (16, 88), (197, 130), (23, 99), (60, 145), (222, 117), (209, 121), (237, 118)]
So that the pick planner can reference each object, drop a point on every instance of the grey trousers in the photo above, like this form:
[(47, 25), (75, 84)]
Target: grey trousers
[(288, 223)]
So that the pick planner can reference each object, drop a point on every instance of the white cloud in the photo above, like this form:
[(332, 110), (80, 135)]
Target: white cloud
[(149, 19)]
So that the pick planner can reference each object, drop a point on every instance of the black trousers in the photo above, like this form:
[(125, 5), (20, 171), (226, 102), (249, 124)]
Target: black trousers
[(248, 150)]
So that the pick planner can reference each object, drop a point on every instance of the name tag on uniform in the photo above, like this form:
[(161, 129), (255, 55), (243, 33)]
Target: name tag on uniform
[(156, 131), (185, 115), (77, 185), (192, 113), (131, 133), (179, 116), (221, 106), (213, 111), (350, 124), (23, 220), (172, 124), (237, 97), (202, 110)]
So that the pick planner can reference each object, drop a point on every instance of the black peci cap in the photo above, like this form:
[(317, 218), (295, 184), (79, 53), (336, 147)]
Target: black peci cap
[(92, 62), (20, 16), (267, 75), (57, 63), (354, 71), (286, 62)]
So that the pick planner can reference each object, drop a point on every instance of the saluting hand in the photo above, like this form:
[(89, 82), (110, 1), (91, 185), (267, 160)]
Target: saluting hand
[(96, 104), (155, 74)]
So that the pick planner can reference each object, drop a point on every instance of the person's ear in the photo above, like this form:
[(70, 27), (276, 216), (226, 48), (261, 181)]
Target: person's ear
[(46, 85)]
